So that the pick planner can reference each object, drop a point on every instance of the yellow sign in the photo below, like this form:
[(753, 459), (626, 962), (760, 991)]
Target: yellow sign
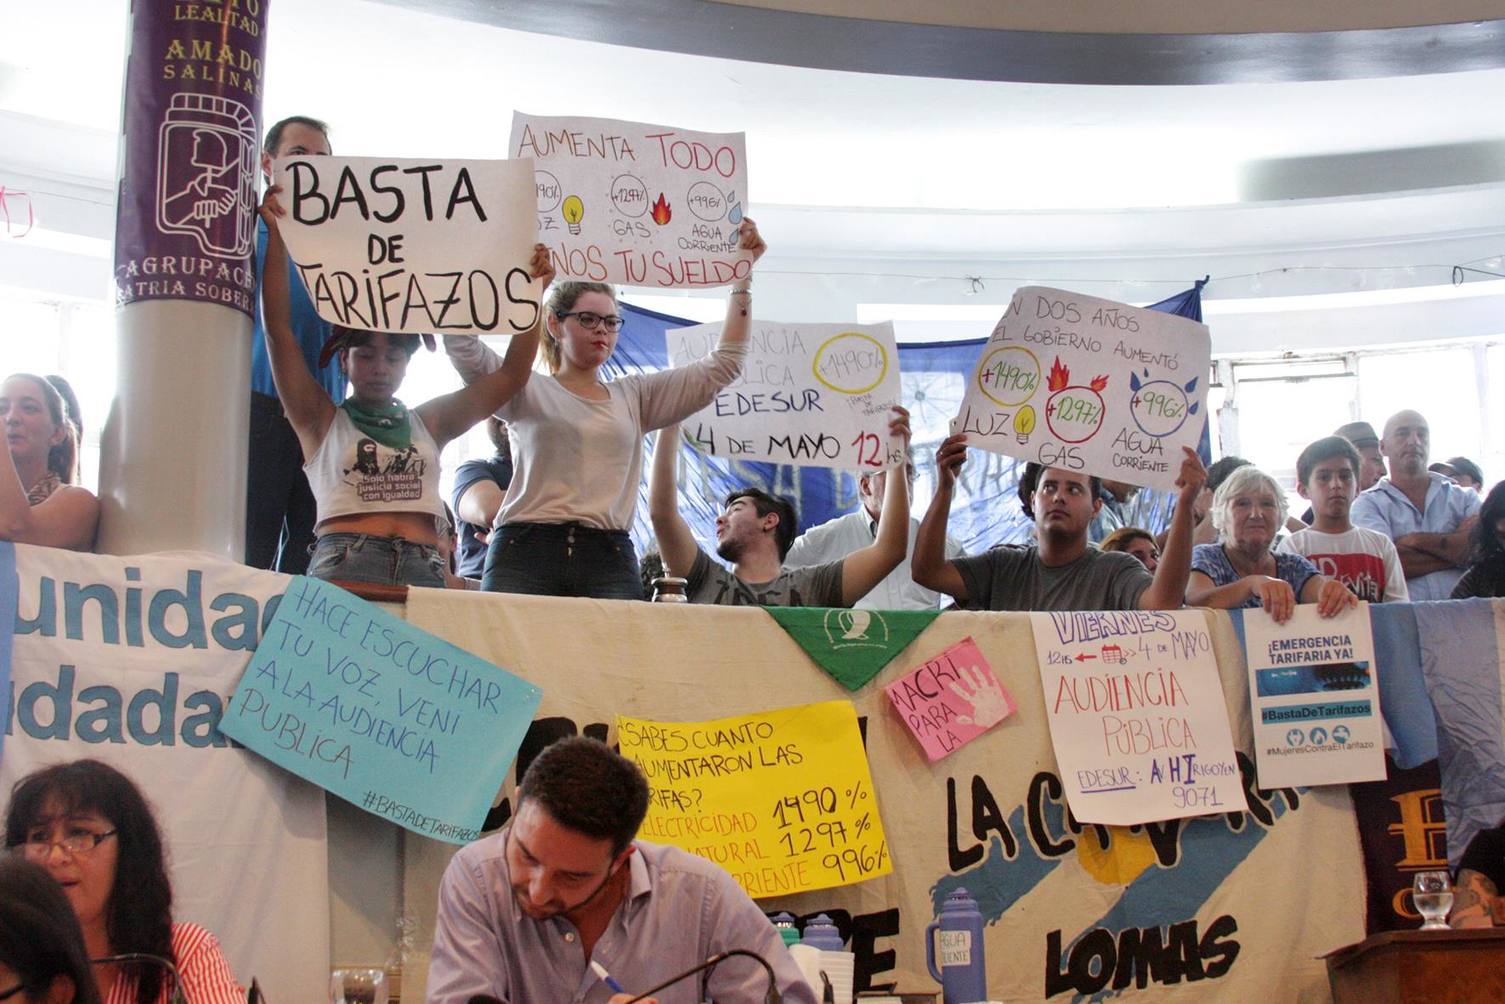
[(782, 800)]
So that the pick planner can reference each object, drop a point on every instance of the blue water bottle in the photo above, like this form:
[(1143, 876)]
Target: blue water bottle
[(963, 974), (821, 933)]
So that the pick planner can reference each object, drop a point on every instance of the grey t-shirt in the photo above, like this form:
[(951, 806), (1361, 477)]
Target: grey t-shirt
[(814, 586), (1014, 578)]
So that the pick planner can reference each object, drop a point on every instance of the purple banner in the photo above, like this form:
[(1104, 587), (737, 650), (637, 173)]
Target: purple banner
[(185, 227)]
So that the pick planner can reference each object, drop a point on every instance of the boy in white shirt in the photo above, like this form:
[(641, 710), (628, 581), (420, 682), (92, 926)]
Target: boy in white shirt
[(1363, 560)]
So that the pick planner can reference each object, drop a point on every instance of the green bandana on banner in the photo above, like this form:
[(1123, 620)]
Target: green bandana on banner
[(852, 645)]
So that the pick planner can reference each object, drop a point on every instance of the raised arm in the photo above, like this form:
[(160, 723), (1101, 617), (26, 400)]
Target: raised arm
[(928, 565), (451, 415), (866, 567), (676, 543), (306, 404), (1168, 591), (738, 323), (66, 519)]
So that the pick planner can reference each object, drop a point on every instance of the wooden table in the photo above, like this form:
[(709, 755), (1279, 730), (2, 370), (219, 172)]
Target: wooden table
[(1420, 966)]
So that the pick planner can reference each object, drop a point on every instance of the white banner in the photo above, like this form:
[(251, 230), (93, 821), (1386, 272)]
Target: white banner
[(130, 661), (413, 246), (1314, 698), (813, 395), (641, 205), (1136, 714), (1090, 385), (1192, 910)]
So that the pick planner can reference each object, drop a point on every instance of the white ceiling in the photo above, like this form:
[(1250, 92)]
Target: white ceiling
[(965, 176)]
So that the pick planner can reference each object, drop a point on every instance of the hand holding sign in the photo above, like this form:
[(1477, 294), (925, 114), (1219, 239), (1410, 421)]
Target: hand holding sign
[(809, 394), (637, 204), (1084, 384), (413, 246)]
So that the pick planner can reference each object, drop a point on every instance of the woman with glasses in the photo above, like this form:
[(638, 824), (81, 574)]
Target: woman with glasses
[(90, 828), (372, 462), (577, 441), (42, 956)]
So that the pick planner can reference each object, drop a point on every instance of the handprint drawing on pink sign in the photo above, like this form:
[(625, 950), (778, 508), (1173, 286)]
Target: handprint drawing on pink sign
[(951, 699)]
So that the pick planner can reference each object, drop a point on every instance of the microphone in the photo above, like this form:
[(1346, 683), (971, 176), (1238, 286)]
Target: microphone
[(156, 960), (772, 996)]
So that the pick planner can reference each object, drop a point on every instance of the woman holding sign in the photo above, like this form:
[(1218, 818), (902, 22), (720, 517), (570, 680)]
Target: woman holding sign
[(373, 463), (577, 441), (1242, 570)]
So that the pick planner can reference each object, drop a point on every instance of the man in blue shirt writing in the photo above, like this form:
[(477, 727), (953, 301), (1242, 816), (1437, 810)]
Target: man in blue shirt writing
[(525, 913)]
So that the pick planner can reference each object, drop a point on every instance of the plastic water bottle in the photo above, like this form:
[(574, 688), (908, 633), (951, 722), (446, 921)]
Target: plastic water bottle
[(963, 973)]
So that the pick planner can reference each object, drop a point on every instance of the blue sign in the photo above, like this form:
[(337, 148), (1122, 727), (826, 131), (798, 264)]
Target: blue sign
[(386, 716)]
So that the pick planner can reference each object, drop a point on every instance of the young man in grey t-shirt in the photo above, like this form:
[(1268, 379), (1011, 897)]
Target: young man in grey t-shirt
[(754, 532), (1062, 572)]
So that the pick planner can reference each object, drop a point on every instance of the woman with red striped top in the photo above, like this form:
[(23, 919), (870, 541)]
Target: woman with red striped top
[(88, 825)]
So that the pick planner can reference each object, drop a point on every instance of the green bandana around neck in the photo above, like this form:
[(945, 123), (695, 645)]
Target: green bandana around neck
[(390, 425)]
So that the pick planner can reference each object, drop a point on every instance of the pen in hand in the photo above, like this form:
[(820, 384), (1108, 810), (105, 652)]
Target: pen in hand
[(606, 977)]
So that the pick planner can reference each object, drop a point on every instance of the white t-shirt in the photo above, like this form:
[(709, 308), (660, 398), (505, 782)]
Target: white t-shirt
[(581, 461), (834, 539), (1364, 560)]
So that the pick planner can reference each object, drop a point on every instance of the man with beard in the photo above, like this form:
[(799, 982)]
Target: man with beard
[(1061, 572), (754, 533), (526, 912), (1427, 516)]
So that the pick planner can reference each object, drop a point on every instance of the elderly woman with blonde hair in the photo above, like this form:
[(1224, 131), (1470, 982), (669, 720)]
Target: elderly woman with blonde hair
[(1242, 568)]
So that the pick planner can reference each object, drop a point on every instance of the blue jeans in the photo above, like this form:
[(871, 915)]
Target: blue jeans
[(562, 559), (388, 561)]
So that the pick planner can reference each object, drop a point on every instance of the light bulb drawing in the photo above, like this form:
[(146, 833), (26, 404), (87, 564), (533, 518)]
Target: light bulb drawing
[(574, 212), (1024, 423)]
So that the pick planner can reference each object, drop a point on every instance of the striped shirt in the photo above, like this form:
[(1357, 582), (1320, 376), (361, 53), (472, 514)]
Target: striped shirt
[(207, 978)]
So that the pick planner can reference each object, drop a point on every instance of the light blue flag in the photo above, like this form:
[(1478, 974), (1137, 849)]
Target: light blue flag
[(386, 716), (9, 589), (1460, 658)]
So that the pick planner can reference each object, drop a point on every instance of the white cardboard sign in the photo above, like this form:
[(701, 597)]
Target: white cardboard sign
[(1314, 698), (637, 204), (413, 246), (812, 395), (1090, 385), (1137, 716)]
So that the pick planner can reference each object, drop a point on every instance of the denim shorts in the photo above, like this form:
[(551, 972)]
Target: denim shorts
[(387, 561), (562, 559)]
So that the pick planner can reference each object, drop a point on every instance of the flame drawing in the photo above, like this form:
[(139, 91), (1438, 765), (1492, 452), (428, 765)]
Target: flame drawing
[(661, 211), (1060, 376), (1098, 383)]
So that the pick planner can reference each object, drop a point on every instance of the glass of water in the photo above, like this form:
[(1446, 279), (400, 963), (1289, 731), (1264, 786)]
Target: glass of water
[(1433, 894), (358, 986)]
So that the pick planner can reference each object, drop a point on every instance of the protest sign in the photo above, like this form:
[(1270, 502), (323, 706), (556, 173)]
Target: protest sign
[(413, 246), (951, 699), (1090, 385), (782, 800), (816, 395), (637, 204), (386, 716), (1137, 716), (1313, 697)]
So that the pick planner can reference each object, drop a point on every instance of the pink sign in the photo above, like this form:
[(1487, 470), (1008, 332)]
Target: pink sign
[(951, 700)]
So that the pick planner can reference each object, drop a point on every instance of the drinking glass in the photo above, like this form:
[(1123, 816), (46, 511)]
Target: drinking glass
[(358, 986), (1433, 894)]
